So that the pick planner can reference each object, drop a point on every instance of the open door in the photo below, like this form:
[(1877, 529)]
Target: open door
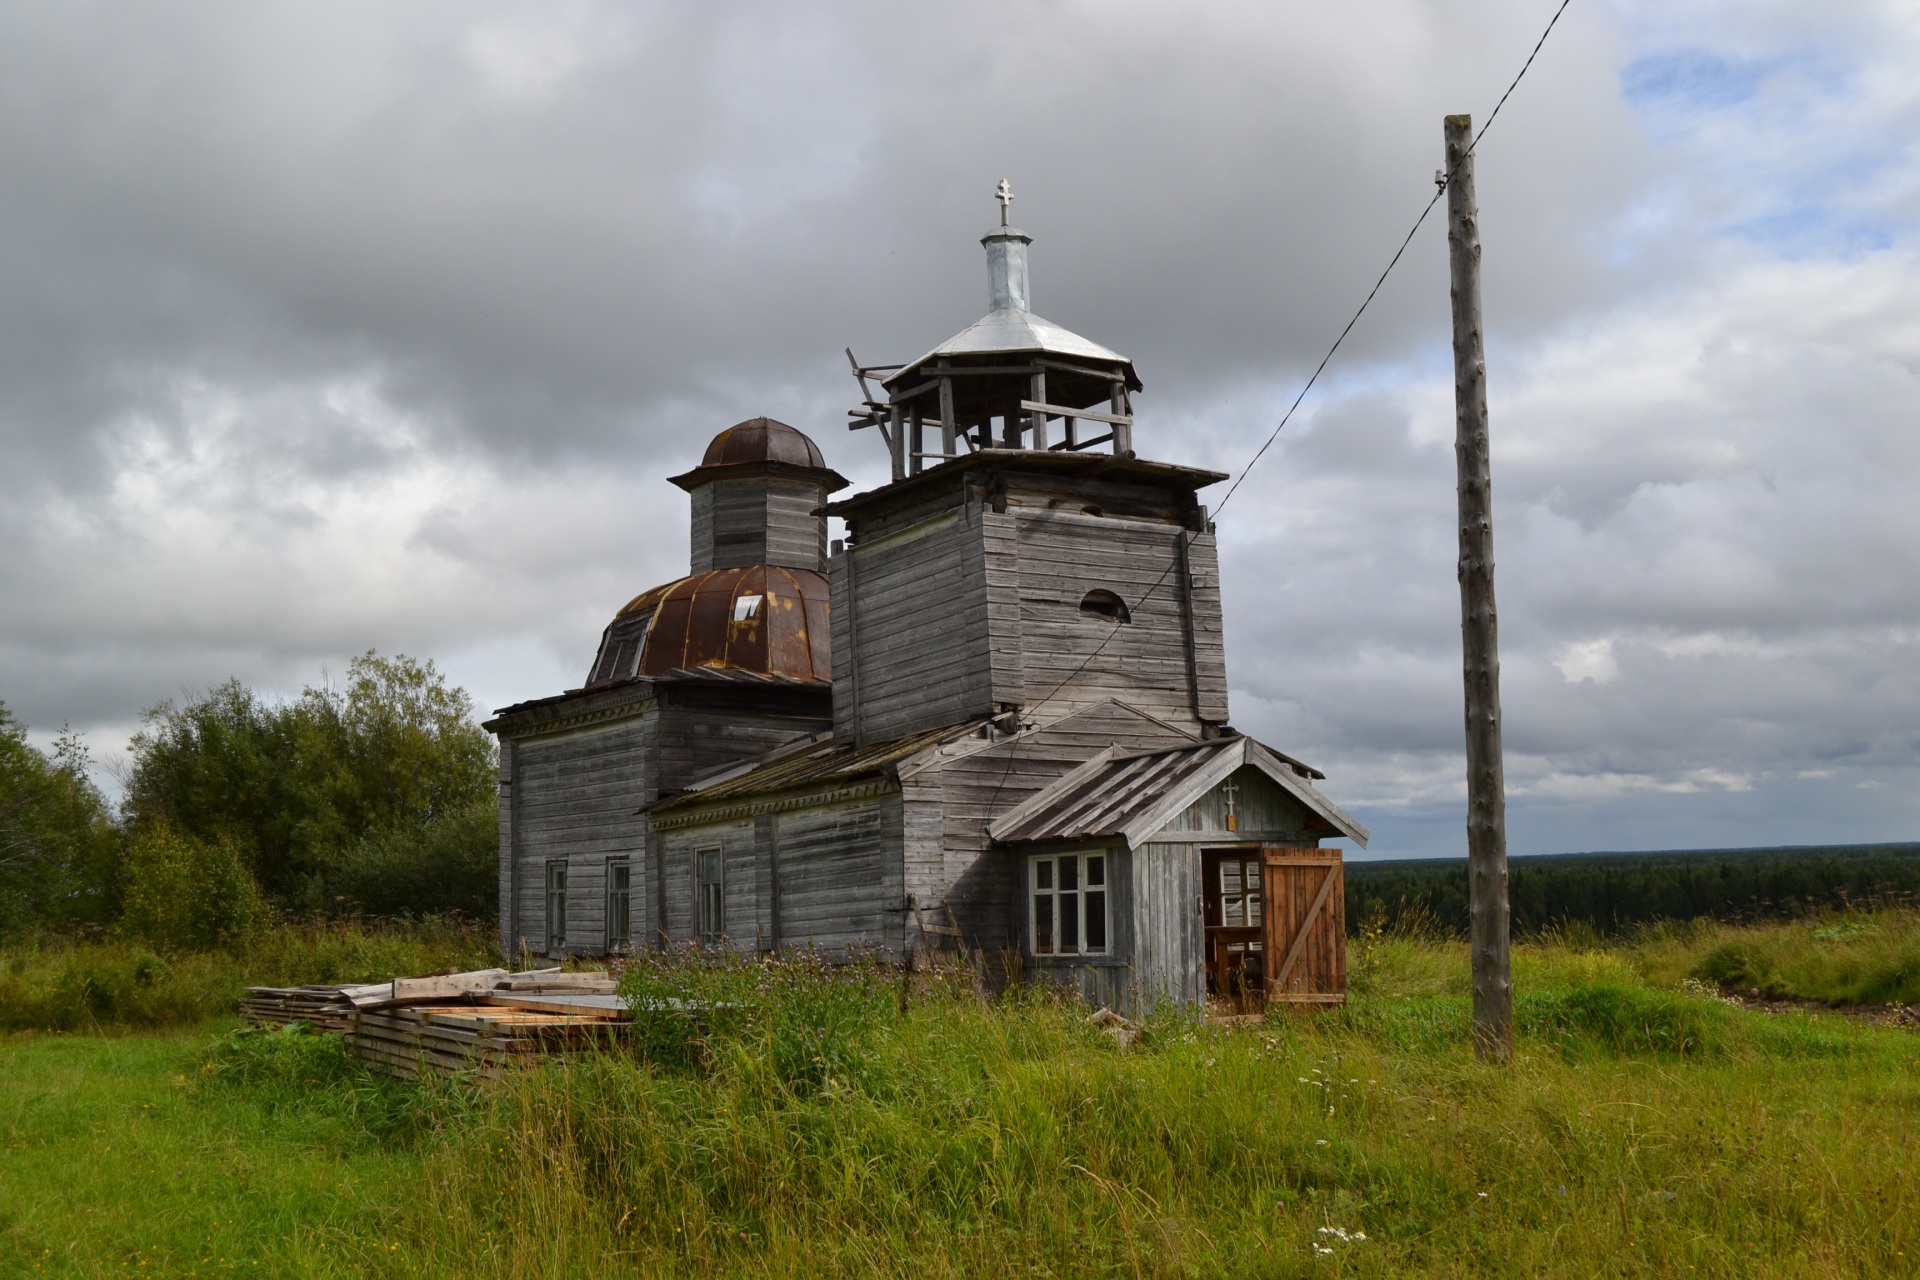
[(1234, 888), (1305, 926)]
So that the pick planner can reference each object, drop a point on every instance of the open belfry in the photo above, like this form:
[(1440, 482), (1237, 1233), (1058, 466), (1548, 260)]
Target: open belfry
[(992, 723)]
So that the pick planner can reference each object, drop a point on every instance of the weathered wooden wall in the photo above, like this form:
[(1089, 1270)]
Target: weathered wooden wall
[(956, 793), (826, 875), (573, 793), (974, 608), (1168, 952), (911, 639), (574, 796), (1168, 659), (750, 520), (1264, 812)]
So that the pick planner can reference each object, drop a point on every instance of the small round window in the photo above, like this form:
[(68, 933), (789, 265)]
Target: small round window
[(1105, 604)]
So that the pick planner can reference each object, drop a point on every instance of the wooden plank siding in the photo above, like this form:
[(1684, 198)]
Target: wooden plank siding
[(1168, 958), (910, 631), (974, 782), (575, 796), (758, 520), (1167, 659), (1262, 812), (826, 875)]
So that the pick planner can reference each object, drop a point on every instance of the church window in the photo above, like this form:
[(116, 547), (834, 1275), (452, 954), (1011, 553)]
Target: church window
[(619, 903), (709, 894), (746, 608), (556, 907), (1068, 904), (1105, 604)]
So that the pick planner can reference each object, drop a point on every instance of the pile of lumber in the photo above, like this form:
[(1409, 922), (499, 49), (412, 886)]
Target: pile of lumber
[(419, 1040), (449, 1023)]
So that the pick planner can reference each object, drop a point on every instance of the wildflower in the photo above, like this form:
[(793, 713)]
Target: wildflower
[(1319, 1142)]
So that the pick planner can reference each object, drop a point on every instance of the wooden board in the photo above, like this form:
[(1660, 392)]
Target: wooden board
[(1306, 926)]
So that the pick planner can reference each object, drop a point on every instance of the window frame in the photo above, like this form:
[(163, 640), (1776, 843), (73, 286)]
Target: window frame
[(710, 895), (1089, 883), (620, 930), (556, 906)]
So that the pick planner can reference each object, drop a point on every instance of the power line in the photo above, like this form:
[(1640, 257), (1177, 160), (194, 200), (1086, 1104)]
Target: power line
[(1440, 187)]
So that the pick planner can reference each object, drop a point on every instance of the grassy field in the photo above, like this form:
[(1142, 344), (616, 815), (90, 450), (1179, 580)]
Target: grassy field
[(1647, 1127), (62, 984)]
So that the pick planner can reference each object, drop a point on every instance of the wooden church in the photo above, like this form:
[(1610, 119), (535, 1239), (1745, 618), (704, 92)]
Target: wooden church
[(994, 720)]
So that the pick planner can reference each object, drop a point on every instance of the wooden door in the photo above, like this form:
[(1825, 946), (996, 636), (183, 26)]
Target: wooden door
[(1233, 906), (1306, 926)]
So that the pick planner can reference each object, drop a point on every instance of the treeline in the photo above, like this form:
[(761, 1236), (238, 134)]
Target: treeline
[(1615, 892), (377, 797)]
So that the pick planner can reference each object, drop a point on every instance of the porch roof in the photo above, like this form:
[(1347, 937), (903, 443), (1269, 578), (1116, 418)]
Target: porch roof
[(1136, 794)]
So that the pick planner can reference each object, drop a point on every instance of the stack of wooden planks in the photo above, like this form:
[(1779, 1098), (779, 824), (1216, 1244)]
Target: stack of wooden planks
[(420, 1040), (453, 1023)]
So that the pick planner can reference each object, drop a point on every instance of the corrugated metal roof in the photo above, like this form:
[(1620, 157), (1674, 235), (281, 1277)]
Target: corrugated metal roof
[(808, 764), (1136, 794)]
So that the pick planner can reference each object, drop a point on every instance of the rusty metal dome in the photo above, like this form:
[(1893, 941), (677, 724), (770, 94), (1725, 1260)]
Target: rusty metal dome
[(763, 440), (765, 620)]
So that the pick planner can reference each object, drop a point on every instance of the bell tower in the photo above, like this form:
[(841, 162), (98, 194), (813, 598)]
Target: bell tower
[(1023, 563)]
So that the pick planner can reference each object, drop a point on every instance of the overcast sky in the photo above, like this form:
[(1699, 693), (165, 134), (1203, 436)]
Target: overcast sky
[(340, 326)]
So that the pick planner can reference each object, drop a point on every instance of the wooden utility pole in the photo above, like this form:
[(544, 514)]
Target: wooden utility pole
[(1479, 620)]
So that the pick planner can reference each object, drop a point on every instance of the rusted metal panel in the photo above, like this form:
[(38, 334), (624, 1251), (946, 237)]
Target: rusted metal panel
[(766, 620)]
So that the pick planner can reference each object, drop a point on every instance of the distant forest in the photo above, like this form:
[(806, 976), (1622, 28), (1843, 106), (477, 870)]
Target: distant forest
[(1615, 892)]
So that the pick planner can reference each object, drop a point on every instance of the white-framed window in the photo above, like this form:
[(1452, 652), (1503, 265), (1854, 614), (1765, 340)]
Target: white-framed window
[(556, 907), (1067, 904), (619, 903), (709, 893)]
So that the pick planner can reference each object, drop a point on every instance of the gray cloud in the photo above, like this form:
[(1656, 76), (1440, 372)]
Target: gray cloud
[(359, 326)]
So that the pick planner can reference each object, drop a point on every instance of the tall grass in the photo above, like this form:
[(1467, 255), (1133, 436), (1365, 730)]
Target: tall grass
[(1853, 957), (1646, 1127), (1640, 1129), (68, 984)]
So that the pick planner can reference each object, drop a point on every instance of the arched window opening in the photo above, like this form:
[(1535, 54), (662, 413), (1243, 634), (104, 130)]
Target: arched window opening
[(1105, 604)]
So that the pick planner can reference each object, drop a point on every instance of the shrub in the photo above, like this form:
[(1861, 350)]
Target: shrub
[(188, 894)]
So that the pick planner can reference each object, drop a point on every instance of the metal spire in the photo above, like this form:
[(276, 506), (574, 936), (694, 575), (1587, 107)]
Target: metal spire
[(1004, 194)]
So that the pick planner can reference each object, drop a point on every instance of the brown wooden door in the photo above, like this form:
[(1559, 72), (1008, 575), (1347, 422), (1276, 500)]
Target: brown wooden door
[(1306, 926), (1233, 903)]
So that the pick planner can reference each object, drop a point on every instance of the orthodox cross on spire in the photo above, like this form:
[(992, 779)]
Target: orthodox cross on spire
[(1004, 194)]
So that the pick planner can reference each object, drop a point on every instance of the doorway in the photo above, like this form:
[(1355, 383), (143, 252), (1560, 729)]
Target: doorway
[(1232, 916)]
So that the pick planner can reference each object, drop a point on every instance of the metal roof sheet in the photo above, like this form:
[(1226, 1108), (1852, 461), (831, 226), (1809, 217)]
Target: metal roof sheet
[(1136, 794), (1008, 330), (807, 764)]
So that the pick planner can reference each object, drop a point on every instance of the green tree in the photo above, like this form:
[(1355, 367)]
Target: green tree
[(58, 845), (184, 894), (318, 790)]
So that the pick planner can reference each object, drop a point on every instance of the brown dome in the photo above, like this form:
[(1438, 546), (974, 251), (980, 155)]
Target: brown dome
[(766, 620), (763, 440)]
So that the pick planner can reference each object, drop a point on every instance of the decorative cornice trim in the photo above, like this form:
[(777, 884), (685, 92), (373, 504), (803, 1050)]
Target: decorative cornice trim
[(778, 802)]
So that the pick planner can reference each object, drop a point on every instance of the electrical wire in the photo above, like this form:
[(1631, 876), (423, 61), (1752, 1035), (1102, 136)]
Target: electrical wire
[(1440, 189)]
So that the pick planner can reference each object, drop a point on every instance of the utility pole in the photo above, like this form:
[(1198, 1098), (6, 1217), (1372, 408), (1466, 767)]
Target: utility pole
[(1479, 620)]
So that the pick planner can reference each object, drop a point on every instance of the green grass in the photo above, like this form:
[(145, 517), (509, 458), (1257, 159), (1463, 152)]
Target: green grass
[(1646, 1127), (1866, 957), (62, 984)]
